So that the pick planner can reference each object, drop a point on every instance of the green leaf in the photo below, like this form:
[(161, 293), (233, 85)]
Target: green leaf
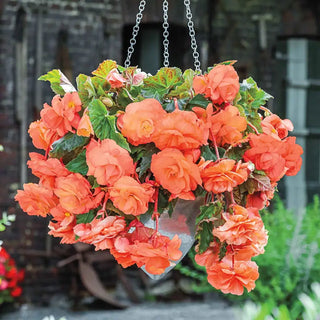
[(86, 217), (166, 78), (70, 142), (170, 106), (198, 101), (59, 83), (223, 250), (79, 164), (143, 150), (207, 153), (101, 85), (104, 125), (236, 153), (124, 98), (86, 89), (209, 211), (2, 227), (104, 68), (205, 236), (185, 89)]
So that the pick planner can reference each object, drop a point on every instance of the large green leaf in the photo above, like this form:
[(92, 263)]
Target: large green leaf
[(209, 217), (104, 68), (159, 85), (208, 153), (165, 78), (58, 81), (185, 89), (86, 89), (69, 143), (250, 98), (198, 101), (86, 217), (79, 164), (104, 125)]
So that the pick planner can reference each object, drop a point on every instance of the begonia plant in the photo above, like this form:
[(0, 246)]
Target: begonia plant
[(125, 145)]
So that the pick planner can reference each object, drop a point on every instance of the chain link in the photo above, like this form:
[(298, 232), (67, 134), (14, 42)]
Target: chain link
[(165, 26), (135, 32), (192, 34)]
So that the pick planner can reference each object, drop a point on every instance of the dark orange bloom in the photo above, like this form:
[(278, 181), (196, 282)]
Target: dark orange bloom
[(233, 277), (242, 226), (63, 115), (221, 84), (176, 173), (42, 137), (108, 162), (75, 195), (145, 247), (140, 120), (227, 126), (181, 130), (291, 152), (130, 196), (100, 231), (224, 175), (46, 169), (274, 126), (85, 127), (275, 157), (62, 225), (36, 200)]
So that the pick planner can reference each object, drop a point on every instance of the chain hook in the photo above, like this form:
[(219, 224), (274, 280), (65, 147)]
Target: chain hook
[(165, 26), (135, 32), (192, 34)]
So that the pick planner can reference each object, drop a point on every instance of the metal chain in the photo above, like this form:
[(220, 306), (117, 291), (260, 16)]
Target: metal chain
[(165, 26), (135, 32), (192, 34)]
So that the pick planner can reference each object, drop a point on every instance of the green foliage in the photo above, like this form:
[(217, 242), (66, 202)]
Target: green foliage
[(209, 215), (58, 81), (86, 217), (6, 220), (249, 100), (79, 164), (70, 143), (198, 101), (104, 68), (208, 153), (160, 85), (104, 125)]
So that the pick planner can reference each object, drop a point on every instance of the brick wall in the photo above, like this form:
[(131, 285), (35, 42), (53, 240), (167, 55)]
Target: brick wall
[(94, 30)]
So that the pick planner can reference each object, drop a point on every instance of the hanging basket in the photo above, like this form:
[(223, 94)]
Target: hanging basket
[(147, 166)]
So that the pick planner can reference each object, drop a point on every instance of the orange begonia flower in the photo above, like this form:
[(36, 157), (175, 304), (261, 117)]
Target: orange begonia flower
[(176, 173), (233, 277), (63, 225), (140, 120), (227, 125), (221, 84), (242, 227), (276, 127), (46, 169), (181, 130), (115, 79), (36, 200), (63, 115), (75, 195), (145, 247), (108, 162), (224, 175), (42, 137), (85, 127), (275, 157), (100, 231), (292, 152), (130, 196)]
